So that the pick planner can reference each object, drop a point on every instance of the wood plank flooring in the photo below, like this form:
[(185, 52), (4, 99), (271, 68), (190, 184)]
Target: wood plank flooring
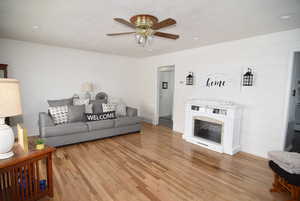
[(157, 164)]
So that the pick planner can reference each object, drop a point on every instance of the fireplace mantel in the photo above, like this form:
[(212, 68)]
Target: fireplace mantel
[(228, 114)]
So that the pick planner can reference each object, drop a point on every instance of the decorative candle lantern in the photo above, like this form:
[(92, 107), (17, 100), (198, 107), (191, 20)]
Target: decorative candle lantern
[(248, 78), (189, 79)]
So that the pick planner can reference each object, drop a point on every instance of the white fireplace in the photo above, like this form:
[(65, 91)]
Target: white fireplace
[(214, 125)]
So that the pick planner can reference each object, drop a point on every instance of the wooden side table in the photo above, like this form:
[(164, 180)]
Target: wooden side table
[(27, 176)]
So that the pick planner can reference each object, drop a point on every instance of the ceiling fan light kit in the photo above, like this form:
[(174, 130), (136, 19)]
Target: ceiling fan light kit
[(146, 27)]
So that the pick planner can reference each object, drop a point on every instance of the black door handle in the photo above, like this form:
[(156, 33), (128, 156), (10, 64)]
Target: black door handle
[(294, 92)]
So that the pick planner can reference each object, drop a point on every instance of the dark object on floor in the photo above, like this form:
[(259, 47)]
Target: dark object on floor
[(284, 181)]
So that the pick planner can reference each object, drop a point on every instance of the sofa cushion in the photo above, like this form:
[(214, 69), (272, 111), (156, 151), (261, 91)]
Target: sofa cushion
[(124, 121), (61, 102), (65, 129), (98, 125)]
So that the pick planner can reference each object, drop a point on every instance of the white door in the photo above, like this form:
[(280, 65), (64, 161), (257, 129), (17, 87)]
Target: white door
[(166, 93)]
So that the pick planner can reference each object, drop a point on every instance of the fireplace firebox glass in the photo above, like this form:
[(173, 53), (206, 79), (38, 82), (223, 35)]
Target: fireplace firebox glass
[(208, 130)]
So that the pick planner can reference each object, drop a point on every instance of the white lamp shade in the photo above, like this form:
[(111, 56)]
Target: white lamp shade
[(10, 101), (87, 87)]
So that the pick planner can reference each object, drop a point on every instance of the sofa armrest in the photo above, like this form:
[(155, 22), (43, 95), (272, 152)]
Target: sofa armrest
[(131, 112), (44, 121)]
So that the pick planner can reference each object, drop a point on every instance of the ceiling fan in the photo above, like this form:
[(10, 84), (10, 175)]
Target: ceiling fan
[(146, 27)]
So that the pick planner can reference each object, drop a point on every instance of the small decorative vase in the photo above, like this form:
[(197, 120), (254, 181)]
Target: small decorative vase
[(40, 146)]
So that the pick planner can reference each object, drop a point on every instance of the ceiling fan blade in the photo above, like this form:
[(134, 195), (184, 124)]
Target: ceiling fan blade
[(117, 34), (164, 23), (166, 35), (125, 22)]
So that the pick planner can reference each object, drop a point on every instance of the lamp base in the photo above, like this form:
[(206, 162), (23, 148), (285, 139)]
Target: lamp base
[(6, 155), (7, 140)]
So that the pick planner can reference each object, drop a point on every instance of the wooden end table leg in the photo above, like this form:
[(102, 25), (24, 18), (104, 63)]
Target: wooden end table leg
[(295, 192), (276, 185), (50, 175)]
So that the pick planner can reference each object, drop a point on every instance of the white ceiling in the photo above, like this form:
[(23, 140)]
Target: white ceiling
[(83, 24)]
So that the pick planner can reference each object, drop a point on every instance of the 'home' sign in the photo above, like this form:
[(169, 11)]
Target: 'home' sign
[(216, 81)]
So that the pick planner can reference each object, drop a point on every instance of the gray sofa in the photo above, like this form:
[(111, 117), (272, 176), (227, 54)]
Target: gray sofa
[(70, 133)]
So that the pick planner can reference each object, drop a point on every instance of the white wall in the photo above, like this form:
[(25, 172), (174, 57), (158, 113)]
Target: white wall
[(48, 72), (264, 104)]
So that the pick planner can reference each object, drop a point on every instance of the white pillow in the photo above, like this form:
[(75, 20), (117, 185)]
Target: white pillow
[(109, 107), (121, 109), (120, 106), (89, 108), (59, 114), (77, 101)]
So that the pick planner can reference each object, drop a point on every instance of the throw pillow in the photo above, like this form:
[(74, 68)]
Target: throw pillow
[(120, 106), (81, 101), (101, 116), (89, 108), (109, 107), (120, 109), (97, 106), (76, 113), (59, 114), (61, 102), (84, 102)]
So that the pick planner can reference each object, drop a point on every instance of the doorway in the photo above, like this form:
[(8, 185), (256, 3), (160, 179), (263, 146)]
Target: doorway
[(166, 77), (292, 141)]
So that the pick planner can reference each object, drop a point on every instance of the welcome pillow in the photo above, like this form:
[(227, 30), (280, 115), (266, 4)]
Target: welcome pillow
[(101, 116)]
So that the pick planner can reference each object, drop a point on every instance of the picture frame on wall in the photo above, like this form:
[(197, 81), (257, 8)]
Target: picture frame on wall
[(164, 85)]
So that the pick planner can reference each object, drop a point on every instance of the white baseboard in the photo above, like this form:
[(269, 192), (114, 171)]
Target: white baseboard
[(147, 120)]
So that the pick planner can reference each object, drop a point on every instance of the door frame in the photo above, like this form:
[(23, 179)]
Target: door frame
[(157, 85), (288, 97)]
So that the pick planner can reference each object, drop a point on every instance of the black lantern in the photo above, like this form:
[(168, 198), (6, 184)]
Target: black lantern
[(248, 78), (189, 79)]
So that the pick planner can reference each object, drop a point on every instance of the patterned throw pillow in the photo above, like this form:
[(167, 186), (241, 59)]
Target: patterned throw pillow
[(59, 114), (109, 107)]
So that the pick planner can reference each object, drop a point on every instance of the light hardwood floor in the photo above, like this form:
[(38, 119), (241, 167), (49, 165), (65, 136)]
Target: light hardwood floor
[(157, 164)]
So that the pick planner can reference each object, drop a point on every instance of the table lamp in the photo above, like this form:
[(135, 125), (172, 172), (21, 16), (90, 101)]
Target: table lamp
[(87, 87), (10, 105)]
